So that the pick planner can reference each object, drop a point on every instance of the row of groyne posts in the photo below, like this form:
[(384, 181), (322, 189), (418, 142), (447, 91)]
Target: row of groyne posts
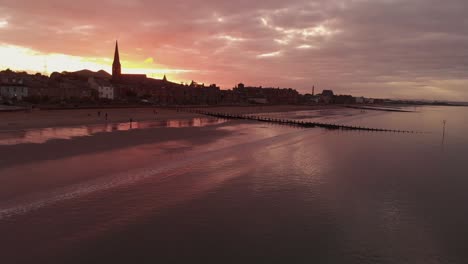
[(290, 122)]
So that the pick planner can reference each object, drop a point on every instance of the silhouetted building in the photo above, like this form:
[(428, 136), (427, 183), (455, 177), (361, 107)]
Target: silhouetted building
[(343, 99), (13, 88), (103, 87), (262, 95), (359, 100), (327, 97), (310, 99), (117, 75), (363, 100), (116, 66), (86, 85), (328, 93), (21, 85)]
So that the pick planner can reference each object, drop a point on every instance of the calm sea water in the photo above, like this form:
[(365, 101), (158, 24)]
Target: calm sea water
[(243, 192)]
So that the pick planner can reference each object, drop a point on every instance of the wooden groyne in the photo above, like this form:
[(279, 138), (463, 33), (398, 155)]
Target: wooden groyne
[(290, 122)]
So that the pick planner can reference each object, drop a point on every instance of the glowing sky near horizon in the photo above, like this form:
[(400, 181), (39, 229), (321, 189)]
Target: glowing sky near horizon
[(381, 48)]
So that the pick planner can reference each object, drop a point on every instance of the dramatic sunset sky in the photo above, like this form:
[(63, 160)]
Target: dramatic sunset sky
[(378, 48)]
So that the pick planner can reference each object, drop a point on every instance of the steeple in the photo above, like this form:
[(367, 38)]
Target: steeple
[(116, 67)]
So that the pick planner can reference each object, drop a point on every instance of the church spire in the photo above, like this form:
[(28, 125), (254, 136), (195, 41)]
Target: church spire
[(116, 54), (116, 67)]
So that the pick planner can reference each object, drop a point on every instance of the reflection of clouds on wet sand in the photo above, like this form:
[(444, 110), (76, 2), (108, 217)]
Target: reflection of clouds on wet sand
[(370, 197), (43, 135), (206, 162)]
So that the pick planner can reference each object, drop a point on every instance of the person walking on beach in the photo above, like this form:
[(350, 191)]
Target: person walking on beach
[(99, 113), (106, 116)]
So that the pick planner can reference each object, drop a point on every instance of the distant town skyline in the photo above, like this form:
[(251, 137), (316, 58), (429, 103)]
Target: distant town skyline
[(414, 49)]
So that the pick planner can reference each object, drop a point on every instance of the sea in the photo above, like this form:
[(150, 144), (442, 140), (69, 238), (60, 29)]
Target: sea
[(232, 191)]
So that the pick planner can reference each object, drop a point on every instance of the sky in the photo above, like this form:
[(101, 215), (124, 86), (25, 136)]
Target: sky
[(414, 49)]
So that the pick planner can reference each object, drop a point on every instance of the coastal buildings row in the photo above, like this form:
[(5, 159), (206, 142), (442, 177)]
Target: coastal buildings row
[(101, 86)]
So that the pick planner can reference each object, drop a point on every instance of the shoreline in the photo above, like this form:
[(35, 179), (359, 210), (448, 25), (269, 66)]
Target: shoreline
[(80, 117), (36, 119), (72, 117)]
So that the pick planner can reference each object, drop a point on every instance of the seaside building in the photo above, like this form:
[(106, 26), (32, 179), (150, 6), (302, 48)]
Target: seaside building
[(116, 66), (88, 86), (132, 87), (104, 88), (117, 75), (363, 100), (310, 99), (65, 86), (266, 95), (344, 99), (12, 88), (327, 97), (359, 100)]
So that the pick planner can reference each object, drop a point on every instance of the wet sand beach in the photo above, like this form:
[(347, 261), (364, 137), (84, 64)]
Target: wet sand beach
[(75, 117), (190, 188)]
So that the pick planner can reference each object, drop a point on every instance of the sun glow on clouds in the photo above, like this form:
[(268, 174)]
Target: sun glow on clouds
[(218, 18), (3, 23), (330, 42), (269, 55), (282, 41), (290, 34), (230, 38), (306, 46), (19, 58), (24, 59), (149, 60), (318, 31)]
